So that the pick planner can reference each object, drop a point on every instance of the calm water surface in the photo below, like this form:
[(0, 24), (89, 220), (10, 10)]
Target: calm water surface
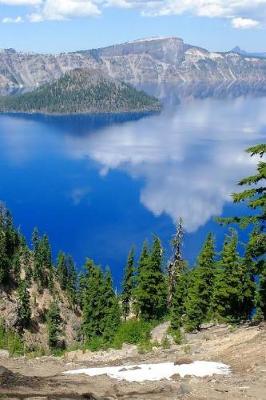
[(97, 185)]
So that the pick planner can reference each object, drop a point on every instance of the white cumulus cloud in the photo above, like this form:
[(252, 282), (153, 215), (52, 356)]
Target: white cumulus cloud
[(241, 13), (20, 2), (16, 20), (244, 23), (64, 9)]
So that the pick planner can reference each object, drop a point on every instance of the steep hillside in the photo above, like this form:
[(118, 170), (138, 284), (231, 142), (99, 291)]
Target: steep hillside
[(81, 91), (153, 61), (30, 288)]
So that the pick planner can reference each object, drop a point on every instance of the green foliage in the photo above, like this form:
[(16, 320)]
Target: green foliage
[(11, 341), (199, 294), (62, 272), (24, 311), (255, 198), (81, 91), (97, 343), (233, 283), (177, 335), (178, 301), (43, 272), (9, 245), (128, 285), (101, 310), (54, 325), (112, 317), (67, 275), (151, 291), (133, 332)]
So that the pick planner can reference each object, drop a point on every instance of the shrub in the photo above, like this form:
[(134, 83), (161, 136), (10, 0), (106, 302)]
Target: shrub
[(133, 332), (11, 341), (97, 343)]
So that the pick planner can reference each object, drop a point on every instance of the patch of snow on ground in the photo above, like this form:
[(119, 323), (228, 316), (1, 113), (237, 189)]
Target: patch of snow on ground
[(156, 372)]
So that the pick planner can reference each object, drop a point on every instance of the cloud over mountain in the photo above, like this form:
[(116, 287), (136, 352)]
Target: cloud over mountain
[(245, 14)]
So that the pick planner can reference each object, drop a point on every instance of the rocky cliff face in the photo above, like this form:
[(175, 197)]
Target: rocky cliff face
[(152, 62)]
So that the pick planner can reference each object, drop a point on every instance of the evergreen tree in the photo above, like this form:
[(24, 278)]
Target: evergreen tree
[(71, 285), (62, 272), (26, 258), (151, 292), (35, 238), (93, 307), (227, 290), (112, 317), (199, 294), (142, 265), (43, 272), (54, 325), (12, 238), (4, 261), (254, 197), (177, 283), (9, 244), (177, 263), (248, 285), (24, 310), (128, 285), (177, 309)]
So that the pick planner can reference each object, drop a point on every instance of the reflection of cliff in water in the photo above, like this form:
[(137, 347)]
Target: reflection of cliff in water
[(175, 93)]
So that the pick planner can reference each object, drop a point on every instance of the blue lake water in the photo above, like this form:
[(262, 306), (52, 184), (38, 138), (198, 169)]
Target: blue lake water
[(98, 184)]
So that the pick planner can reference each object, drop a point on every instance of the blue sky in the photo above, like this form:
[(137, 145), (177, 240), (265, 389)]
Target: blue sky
[(66, 25)]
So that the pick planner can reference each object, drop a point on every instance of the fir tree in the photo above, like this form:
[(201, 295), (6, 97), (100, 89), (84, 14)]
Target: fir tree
[(43, 272), (177, 309), (54, 324), (35, 238), (71, 285), (62, 272), (4, 261), (112, 317), (128, 285), (227, 290), (199, 294), (254, 197), (151, 292), (177, 283), (93, 304), (9, 244), (24, 311), (142, 266)]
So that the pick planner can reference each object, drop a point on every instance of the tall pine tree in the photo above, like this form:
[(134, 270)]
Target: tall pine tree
[(199, 294), (24, 311), (177, 283), (93, 303), (128, 285), (151, 291), (54, 323), (255, 198), (112, 317), (227, 290), (62, 272)]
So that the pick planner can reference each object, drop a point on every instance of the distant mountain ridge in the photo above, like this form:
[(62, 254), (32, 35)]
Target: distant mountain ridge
[(244, 53), (152, 63)]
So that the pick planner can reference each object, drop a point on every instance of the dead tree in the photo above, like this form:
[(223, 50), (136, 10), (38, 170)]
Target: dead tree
[(176, 265)]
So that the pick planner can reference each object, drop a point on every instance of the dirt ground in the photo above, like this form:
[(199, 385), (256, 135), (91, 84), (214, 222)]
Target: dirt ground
[(243, 349)]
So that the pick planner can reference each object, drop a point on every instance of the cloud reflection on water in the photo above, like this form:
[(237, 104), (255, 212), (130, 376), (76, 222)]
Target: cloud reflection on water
[(188, 160)]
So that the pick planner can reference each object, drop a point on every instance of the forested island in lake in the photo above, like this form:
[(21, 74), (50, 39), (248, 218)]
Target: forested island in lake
[(81, 91)]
